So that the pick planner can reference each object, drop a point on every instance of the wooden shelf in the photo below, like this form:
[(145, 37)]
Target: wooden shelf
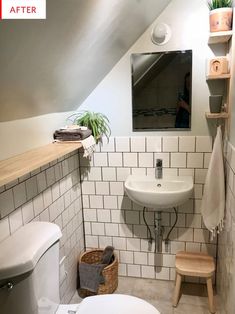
[(17, 166), (225, 38), (218, 77), (219, 37), (220, 115)]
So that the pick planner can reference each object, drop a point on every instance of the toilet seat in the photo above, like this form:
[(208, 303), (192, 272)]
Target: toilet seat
[(65, 308), (110, 303)]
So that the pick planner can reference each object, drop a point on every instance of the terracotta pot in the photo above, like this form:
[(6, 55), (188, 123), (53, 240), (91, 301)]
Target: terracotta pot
[(221, 19)]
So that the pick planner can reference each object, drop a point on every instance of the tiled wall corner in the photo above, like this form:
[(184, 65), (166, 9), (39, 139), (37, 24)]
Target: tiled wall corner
[(51, 193), (111, 218), (226, 244)]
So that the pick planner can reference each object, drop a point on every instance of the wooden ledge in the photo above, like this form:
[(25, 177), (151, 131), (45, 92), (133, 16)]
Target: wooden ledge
[(20, 165), (218, 77), (220, 37), (220, 115)]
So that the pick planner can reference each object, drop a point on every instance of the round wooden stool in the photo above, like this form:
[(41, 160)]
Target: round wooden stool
[(195, 265)]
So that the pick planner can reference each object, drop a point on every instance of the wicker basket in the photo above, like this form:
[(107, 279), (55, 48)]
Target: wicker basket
[(110, 272)]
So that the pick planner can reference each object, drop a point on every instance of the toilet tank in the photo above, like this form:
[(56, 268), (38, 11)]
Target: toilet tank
[(29, 270)]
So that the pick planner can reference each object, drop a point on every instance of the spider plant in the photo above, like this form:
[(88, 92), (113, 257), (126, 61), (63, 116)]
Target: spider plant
[(97, 122), (217, 4)]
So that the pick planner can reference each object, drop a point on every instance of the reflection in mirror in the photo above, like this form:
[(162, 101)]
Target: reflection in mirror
[(161, 90)]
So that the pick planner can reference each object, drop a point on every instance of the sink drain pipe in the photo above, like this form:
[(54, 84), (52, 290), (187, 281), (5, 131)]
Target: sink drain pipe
[(158, 230), (149, 234), (168, 234)]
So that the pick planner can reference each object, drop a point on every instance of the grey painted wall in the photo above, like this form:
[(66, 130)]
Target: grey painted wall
[(52, 65)]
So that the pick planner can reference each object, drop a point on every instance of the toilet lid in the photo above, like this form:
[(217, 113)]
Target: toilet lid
[(115, 304)]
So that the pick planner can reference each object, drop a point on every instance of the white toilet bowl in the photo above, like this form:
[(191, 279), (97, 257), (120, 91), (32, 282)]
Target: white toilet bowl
[(29, 278), (68, 308), (109, 304)]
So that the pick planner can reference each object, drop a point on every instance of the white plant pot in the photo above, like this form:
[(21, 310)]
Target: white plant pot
[(221, 19)]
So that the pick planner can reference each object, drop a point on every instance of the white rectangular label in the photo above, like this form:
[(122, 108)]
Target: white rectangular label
[(23, 9)]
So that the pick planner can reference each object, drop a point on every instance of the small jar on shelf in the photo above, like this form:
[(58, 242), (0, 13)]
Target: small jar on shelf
[(215, 102), (218, 68)]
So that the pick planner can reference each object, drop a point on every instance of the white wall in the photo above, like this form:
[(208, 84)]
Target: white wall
[(232, 92), (232, 129), (19, 136), (226, 244), (189, 23)]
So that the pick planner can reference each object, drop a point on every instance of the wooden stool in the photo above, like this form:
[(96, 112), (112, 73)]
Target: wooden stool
[(195, 265)]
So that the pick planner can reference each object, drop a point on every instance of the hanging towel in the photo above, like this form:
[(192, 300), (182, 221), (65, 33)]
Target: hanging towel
[(88, 146), (107, 255), (213, 200), (91, 276)]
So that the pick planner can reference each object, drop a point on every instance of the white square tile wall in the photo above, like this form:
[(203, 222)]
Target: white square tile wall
[(52, 193), (130, 159), (138, 144), (170, 144), (116, 220), (115, 159), (187, 143), (153, 144), (122, 144), (226, 243), (178, 160), (107, 145)]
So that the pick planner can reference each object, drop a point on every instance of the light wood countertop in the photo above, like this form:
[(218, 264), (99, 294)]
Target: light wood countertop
[(17, 166)]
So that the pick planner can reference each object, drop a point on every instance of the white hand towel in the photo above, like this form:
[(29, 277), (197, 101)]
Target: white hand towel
[(88, 146), (213, 200)]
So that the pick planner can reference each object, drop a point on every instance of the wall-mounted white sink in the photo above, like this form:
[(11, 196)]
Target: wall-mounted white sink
[(159, 194)]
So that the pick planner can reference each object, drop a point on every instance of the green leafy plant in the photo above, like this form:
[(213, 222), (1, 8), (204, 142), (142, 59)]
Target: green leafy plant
[(217, 4), (97, 122)]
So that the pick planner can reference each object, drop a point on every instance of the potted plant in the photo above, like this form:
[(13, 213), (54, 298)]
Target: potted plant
[(97, 122), (221, 14)]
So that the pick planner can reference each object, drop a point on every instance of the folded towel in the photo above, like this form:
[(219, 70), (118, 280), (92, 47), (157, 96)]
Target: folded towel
[(71, 134), (107, 255), (213, 201), (74, 127), (88, 146), (91, 276)]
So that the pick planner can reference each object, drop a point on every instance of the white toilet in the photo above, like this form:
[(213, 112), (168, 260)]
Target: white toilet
[(29, 278)]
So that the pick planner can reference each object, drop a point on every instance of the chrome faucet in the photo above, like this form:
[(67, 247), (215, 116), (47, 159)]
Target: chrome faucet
[(158, 169)]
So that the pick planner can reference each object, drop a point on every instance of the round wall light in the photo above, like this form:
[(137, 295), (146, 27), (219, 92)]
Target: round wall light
[(161, 34)]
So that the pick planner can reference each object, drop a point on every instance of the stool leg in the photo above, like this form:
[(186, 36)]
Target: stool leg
[(210, 294), (177, 289)]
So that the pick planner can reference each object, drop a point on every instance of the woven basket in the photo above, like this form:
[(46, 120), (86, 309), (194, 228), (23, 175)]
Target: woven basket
[(110, 272)]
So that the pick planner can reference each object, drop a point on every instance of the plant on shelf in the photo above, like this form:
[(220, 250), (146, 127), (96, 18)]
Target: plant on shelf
[(216, 4), (97, 122), (221, 15)]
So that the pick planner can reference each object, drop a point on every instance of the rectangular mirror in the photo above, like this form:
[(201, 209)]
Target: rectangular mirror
[(161, 90)]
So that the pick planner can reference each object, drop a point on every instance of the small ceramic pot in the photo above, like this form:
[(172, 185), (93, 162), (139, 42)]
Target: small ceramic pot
[(221, 19), (215, 102)]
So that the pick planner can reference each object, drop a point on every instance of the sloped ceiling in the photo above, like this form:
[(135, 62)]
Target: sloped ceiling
[(52, 65)]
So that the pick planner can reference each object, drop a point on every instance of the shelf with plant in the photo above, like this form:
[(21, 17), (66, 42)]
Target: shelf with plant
[(97, 122), (220, 37), (221, 15)]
